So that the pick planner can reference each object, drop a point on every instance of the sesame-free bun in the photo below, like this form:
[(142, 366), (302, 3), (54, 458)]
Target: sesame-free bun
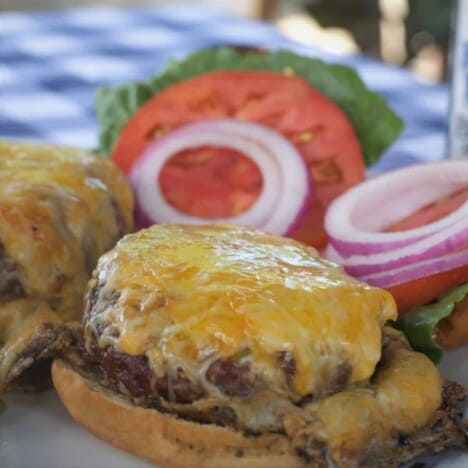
[(163, 439)]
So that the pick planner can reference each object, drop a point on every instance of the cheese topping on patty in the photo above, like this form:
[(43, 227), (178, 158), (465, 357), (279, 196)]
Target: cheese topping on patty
[(187, 295), (59, 211)]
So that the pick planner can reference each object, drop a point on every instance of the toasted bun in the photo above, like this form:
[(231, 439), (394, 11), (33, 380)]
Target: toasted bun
[(452, 331), (164, 439)]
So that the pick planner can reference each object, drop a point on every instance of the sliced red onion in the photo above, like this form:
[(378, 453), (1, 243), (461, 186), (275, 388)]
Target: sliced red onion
[(386, 259), (331, 254), (441, 243), (354, 219), (418, 270), (286, 191)]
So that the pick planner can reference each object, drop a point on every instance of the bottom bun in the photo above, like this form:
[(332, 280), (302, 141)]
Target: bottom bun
[(161, 438)]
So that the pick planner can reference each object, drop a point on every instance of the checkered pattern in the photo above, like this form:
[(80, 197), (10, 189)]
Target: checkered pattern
[(51, 64)]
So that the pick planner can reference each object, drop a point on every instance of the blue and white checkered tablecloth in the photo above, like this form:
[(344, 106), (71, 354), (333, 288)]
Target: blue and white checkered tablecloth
[(51, 64)]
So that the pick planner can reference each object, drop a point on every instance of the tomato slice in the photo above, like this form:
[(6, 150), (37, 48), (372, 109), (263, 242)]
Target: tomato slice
[(210, 182), (424, 290), (288, 104)]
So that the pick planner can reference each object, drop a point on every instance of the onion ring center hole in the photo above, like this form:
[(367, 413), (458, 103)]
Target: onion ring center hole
[(431, 212), (210, 182)]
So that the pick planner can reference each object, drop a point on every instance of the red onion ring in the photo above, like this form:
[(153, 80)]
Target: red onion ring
[(354, 219), (385, 259), (286, 192), (331, 254), (418, 270), (441, 243)]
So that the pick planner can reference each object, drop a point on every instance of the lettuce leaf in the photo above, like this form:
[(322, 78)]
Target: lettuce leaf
[(376, 125), (419, 324)]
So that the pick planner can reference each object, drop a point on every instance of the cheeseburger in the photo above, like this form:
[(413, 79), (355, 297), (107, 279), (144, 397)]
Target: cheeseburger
[(60, 209), (226, 346)]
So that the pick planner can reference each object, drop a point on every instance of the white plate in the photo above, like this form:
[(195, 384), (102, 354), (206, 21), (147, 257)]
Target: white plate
[(37, 432)]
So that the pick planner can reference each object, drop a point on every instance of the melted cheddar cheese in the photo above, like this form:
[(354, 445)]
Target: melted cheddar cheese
[(19, 321), (60, 209), (187, 295), (57, 215), (404, 394)]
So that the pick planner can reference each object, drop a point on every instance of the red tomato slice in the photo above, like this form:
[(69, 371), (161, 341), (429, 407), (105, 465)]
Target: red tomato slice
[(315, 125), (211, 182), (424, 290)]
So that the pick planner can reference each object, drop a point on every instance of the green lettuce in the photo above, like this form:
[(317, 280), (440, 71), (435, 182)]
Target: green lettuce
[(376, 125), (419, 324)]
